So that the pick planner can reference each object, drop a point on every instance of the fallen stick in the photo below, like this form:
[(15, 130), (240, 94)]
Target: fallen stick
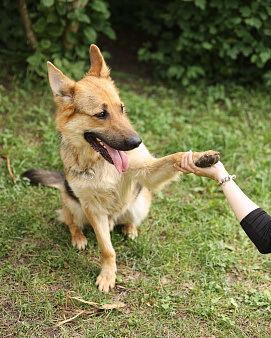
[(116, 305), (66, 320), (9, 170)]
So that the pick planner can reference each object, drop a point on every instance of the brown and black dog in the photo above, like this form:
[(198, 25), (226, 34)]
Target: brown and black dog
[(108, 171)]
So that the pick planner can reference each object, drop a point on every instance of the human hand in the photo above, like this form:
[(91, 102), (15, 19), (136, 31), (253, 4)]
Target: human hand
[(215, 172)]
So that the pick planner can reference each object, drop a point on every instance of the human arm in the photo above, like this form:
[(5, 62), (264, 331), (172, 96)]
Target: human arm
[(255, 222), (239, 202)]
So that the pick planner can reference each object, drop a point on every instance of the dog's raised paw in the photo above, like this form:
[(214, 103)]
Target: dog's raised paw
[(207, 159)]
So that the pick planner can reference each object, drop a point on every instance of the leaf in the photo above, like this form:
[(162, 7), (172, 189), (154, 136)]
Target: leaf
[(254, 22), (201, 4), (175, 71), (265, 56), (72, 37), (47, 3), (72, 16), (82, 17), (108, 31), (233, 52), (40, 25), (90, 34), (55, 30), (207, 45), (51, 18), (99, 6), (267, 31), (236, 20), (245, 11), (263, 16), (246, 50), (254, 58), (212, 30), (35, 59), (195, 71), (45, 43), (80, 51)]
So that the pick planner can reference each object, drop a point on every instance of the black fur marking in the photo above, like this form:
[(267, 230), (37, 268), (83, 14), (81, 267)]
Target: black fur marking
[(45, 177), (59, 136), (138, 189), (70, 192)]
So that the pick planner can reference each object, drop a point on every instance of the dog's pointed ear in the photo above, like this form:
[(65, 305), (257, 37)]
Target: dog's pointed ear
[(61, 85), (98, 66)]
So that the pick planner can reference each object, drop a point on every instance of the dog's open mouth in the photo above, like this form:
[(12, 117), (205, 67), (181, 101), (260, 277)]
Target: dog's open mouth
[(116, 157)]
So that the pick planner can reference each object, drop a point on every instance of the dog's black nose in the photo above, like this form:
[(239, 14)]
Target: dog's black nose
[(133, 142)]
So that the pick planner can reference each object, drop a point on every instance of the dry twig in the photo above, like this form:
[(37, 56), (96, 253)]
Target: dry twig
[(66, 320), (9, 170), (116, 305)]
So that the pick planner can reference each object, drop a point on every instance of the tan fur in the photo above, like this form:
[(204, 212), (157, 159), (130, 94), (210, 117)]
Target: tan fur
[(109, 198)]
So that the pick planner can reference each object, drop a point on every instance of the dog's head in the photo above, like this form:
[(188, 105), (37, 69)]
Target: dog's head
[(90, 110)]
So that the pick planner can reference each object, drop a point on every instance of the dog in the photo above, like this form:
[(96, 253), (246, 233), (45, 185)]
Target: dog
[(109, 173)]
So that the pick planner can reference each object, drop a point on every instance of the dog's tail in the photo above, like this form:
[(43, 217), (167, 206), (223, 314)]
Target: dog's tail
[(55, 179)]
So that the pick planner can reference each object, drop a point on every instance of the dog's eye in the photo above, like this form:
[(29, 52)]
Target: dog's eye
[(102, 115), (122, 108)]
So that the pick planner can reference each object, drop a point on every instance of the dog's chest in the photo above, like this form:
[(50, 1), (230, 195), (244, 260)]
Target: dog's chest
[(104, 197)]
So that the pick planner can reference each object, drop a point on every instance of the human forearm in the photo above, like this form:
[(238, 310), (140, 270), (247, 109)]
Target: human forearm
[(255, 222), (239, 202)]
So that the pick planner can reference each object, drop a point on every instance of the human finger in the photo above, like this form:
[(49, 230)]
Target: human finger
[(181, 169), (189, 161)]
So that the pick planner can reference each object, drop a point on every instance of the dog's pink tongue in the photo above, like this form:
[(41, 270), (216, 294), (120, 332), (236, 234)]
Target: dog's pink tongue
[(119, 158)]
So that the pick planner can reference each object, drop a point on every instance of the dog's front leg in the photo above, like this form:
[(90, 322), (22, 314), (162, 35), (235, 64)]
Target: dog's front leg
[(154, 173), (106, 279)]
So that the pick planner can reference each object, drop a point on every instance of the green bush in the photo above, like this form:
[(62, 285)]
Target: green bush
[(182, 40), (213, 39), (63, 29)]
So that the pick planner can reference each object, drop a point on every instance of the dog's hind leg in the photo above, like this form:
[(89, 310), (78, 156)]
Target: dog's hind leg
[(133, 217), (130, 231), (73, 216)]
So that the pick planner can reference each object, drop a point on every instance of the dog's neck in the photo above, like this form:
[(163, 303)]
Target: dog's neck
[(75, 158)]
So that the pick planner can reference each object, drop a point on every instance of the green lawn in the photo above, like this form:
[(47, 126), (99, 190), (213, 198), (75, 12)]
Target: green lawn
[(192, 272)]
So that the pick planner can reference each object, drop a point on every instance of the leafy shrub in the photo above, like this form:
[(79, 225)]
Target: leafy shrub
[(63, 29), (183, 40), (214, 39)]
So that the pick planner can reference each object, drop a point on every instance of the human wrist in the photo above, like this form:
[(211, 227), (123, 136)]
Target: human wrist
[(226, 179), (221, 175)]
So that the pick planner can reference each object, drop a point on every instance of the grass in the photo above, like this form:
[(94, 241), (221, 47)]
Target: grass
[(192, 272)]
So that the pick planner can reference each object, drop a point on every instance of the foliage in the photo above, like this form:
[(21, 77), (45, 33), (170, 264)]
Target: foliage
[(211, 39), (192, 272), (64, 32), (182, 40)]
